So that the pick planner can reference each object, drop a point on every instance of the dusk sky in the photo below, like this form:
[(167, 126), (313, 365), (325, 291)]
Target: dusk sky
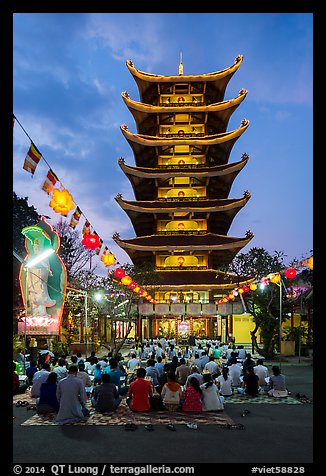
[(69, 73)]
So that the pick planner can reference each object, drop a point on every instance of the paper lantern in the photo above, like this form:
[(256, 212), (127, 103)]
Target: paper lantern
[(91, 241), (108, 259), (62, 201), (274, 277), (245, 288), (119, 273), (126, 280), (290, 273), (132, 285), (253, 286)]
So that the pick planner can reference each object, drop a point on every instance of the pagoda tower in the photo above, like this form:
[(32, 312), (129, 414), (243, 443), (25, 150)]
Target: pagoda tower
[(181, 181)]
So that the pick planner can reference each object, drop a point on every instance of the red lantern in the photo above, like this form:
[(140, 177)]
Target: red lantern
[(132, 285), (91, 241), (246, 289), (119, 273), (290, 273)]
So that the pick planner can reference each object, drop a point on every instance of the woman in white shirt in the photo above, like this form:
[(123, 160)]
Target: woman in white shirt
[(224, 383), (211, 399)]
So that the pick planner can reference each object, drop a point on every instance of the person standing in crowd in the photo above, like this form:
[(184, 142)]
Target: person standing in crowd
[(171, 393), (211, 399), (105, 397), (192, 397), (72, 398), (47, 402), (139, 393), (39, 377)]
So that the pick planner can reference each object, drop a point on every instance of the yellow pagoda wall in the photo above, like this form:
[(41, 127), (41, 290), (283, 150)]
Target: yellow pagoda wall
[(242, 325)]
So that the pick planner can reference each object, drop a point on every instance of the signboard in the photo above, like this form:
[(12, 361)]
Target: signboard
[(43, 284), (193, 309), (145, 309), (162, 309), (178, 308), (209, 309), (225, 308)]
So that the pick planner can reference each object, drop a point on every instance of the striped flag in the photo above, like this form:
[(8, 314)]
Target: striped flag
[(98, 249), (32, 159), (86, 227), (50, 181), (75, 218)]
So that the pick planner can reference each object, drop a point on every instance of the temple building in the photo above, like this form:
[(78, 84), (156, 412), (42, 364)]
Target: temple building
[(182, 212)]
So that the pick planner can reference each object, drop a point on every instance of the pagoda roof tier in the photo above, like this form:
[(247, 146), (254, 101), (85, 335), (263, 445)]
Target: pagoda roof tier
[(219, 178), (222, 249), (146, 115), (149, 84), (219, 212), (199, 280), (217, 146)]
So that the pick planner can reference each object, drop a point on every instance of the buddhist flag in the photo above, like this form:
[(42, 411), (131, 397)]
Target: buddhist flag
[(86, 227), (307, 262), (50, 181), (98, 249), (75, 218), (32, 159), (106, 249)]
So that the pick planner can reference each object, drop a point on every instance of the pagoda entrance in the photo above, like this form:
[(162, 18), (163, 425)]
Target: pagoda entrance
[(181, 328)]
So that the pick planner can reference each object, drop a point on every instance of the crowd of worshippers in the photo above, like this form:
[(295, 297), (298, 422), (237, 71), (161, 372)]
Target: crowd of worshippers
[(155, 375)]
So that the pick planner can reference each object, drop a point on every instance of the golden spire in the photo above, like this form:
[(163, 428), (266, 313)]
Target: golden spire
[(180, 65)]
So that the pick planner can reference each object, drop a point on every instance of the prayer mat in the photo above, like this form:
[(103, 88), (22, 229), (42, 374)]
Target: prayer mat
[(260, 399), (123, 415)]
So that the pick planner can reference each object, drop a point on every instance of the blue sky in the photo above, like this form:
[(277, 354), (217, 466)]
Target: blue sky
[(70, 70)]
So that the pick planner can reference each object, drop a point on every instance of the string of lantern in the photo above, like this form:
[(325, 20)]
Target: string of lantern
[(62, 202), (290, 273)]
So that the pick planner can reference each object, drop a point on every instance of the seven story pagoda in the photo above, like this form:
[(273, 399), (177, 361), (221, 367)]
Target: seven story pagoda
[(182, 211)]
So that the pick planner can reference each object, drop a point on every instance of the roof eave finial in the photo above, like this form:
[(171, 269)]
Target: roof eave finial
[(180, 65)]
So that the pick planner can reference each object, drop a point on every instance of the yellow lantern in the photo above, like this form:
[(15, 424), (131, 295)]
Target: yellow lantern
[(62, 201), (253, 286), (274, 277), (108, 259), (126, 280)]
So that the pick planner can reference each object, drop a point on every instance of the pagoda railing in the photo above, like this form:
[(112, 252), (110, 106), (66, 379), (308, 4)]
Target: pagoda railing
[(185, 134), (183, 166), (187, 268), (183, 232), (180, 104), (180, 199)]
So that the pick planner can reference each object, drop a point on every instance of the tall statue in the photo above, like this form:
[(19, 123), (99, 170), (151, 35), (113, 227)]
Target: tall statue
[(43, 285)]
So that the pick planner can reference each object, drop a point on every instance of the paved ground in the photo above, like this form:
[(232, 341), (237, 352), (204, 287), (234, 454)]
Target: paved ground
[(273, 434)]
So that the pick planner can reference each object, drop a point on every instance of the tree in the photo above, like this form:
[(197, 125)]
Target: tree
[(263, 305)]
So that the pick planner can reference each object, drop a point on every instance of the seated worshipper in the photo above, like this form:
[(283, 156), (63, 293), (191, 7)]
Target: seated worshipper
[(83, 375), (39, 378), (262, 371), (172, 393), (17, 388), (164, 377), (212, 366), (194, 373), (203, 360), (196, 361), (241, 353), (192, 397), (182, 372), (72, 398), (115, 374), (250, 383), (30, 371), (97, 375), (153, 373), (246, 363), (133, 362), (90, 365), (224, 383), (235, 372), (47, 402), (61, 369), (105, 397), (277, 383), (211, 398), (159, 365), (139, 393)]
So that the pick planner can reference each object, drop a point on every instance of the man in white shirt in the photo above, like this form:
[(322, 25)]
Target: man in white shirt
[(262, 372), (61, 370), (235, 372), (39, 377), (212, 366), (133, 362)]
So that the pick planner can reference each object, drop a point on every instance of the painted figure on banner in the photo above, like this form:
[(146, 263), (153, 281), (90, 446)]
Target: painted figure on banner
[(43, 285)]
